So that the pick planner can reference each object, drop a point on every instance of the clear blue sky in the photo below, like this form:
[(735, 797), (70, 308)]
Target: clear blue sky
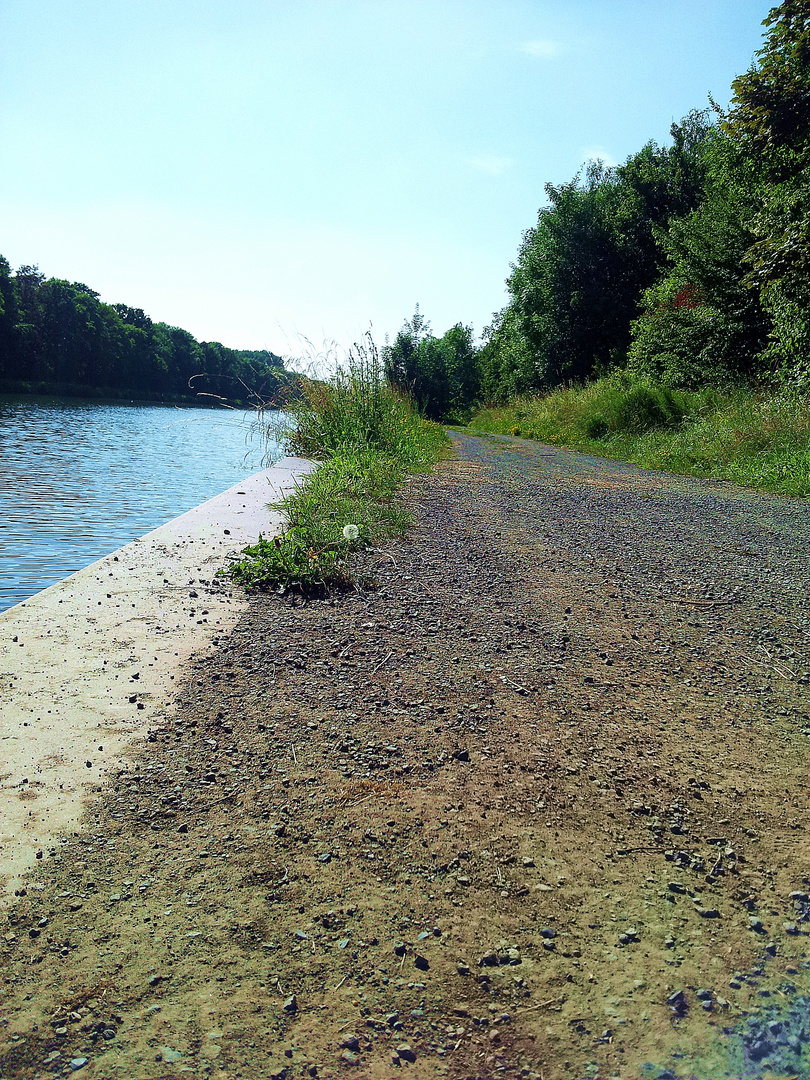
[(252, 170)]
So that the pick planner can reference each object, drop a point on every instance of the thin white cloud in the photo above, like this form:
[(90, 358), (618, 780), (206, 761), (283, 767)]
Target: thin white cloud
[(598, 153), (491, 165), (542, 48)]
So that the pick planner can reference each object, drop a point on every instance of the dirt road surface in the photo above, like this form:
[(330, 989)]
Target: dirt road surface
[(535, 806)]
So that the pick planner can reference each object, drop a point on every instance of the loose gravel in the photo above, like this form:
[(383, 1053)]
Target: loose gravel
[(534, 806)]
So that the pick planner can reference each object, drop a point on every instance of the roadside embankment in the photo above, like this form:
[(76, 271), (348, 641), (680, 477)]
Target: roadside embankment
[(87, 665), (757, 438)]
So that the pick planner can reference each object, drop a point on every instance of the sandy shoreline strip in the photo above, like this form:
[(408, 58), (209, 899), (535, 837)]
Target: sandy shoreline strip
[(87, 664)]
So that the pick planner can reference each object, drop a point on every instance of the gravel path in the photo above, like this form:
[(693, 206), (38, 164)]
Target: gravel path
[(535, 806)]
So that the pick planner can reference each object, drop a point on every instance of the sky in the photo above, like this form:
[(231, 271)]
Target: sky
[(262, 171)]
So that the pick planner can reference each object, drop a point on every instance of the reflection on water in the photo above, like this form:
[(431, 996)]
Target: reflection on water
[(78, 480)]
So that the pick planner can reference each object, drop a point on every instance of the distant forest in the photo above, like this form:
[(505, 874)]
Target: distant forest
[(57, 337), (687, 265)]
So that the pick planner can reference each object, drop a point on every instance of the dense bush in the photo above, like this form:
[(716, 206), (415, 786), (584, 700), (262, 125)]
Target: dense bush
[(439, 375)]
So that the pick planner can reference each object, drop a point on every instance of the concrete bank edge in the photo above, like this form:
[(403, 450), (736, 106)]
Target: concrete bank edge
[(87, 664)]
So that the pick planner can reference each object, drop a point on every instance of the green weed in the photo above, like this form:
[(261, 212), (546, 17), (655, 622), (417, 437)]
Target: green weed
[(753, 438), (368, 439)]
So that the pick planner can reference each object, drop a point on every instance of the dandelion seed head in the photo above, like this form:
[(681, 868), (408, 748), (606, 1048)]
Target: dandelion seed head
[(351, 532)]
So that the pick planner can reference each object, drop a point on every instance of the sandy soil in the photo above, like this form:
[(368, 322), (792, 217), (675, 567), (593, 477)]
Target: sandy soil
[(536, 806)]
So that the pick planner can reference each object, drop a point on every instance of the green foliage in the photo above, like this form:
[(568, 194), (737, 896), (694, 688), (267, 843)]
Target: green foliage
[(368, 437), (689, 264), (58, 333), (440, 375), (701, 323), (770, 115), (611, 405), (769, 124), (355, 409), (754, 439), (580, 273)]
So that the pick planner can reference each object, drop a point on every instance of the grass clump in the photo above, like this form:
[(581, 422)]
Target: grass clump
[(367, 439), (751, 437)]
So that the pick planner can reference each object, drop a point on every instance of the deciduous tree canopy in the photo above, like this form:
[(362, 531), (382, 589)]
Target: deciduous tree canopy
[(58, 335), (690, 263)]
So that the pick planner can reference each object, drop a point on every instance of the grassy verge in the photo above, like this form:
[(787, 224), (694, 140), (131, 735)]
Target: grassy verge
[(754, 439), (367, 439)]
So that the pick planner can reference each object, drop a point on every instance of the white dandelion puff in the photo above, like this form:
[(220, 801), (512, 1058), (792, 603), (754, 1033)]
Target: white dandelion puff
[(351, 532)]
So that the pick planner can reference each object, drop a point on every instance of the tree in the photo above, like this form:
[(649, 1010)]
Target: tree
[(440, 375), (60, 332), (769, 123), (577, 283), (770, 107), (9, 316)]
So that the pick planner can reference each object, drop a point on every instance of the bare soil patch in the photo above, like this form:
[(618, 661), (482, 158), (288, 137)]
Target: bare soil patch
[(533, 807)]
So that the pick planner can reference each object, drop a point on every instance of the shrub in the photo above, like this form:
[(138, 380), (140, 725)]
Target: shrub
[(367, 438)]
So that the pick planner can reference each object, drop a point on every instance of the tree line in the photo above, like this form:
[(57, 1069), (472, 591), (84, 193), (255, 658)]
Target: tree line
[(688, 264), (58, 336)]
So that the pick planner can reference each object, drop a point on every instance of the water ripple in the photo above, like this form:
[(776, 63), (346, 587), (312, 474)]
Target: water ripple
[(78, 480)]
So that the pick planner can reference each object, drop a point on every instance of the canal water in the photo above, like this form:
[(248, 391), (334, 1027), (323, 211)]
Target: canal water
[(80, 479)]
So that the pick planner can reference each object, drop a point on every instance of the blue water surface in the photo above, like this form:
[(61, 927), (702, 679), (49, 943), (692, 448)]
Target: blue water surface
[(80, 479)]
